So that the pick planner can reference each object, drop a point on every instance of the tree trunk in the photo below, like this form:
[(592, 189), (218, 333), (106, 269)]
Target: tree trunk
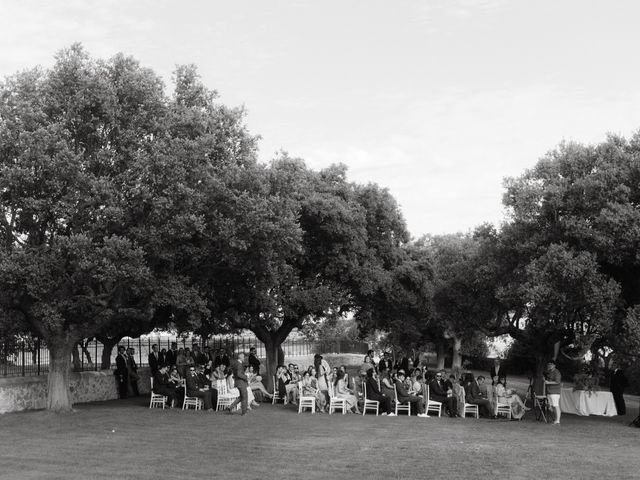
[(538, 382), (107, 348), (59, 393), (77, 367), (457, 358), (441, 352), (273, 352)]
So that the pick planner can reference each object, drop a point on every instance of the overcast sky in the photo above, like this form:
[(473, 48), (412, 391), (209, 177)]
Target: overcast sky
[(436, 100)]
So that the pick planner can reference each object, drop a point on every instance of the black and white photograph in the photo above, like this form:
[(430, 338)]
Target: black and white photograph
[(293, 239)]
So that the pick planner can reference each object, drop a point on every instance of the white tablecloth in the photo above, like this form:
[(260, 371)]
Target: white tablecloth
[(584, 403)]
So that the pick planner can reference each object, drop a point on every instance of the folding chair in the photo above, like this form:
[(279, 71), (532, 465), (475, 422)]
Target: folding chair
[(225, 398), (401, 408), (194, 402), (336, 402), (276, 393), (504, 409), (431, 405), (472, 409), (369, 404), (157, 400), (540, 404), (305, 401)]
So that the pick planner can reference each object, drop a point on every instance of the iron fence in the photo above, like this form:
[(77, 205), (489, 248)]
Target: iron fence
[(30, 357)]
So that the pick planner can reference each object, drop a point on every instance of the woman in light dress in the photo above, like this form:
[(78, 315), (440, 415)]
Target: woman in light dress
[(311, 386), (255, 382), (509, 397), (341, 391), (232, 389)]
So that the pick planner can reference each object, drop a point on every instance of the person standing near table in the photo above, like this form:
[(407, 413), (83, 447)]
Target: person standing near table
[(553, 383), (618, 383)]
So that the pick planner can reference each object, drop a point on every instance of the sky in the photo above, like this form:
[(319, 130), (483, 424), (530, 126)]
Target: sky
[(438, 101)]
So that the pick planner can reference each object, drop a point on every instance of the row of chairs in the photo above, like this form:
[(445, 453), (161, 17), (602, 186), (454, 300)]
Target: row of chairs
[(225, 398)]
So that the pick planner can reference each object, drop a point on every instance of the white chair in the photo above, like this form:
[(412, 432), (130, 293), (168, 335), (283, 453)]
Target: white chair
[(276, 393), (432, 405), (157, 400), (336, 402), (472, 409), (401, 408), (306, 401), (369, 404), (225, 398), (194, 402), (504, 409)]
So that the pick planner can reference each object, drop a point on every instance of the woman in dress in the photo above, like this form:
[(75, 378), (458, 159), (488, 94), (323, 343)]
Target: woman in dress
[(341, 391), (366, 365), (174, 377), (386, 384), (458, 392), (510, 398), (255, 382), (181, 363), (321, 399)]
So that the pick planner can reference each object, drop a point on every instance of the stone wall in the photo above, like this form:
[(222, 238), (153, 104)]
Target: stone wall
[(30, 393)]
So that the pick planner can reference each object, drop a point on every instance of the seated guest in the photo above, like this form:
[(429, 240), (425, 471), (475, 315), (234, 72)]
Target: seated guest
[(458, 393), (194, 389), (473, 396), (374, 393), (292, 386), (439, 392), (340, 390), (510, 398), (486, 391), (161, 385), (386, 384), (282, 379), (405, 397), (321, 396), (251, 399), (174, 377), (255, 382), (343, 369)]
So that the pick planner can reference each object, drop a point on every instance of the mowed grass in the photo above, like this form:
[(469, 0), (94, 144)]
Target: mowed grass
[(124, 439)]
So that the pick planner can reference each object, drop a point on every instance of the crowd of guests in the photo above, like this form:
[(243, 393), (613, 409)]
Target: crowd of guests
[(196, 373), (201, 373)]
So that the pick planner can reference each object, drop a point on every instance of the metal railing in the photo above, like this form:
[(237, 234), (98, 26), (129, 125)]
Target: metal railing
[(30, 357)]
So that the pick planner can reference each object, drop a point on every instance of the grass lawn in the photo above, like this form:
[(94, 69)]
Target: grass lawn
[(124, 439)]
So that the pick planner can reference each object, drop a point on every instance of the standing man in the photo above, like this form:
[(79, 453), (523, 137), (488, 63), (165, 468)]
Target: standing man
[(240, 379), (618, 383), (553, 383), (497, 370), (154, 359), (254, 361), (122, 372), (172, 355), (132, 370)]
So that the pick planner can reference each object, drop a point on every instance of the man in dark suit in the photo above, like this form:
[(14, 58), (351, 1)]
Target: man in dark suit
[(172, 354), (221, 359), (405, 397), (162, 386), (240, 380), (438, 392), (194, 389), (132, 369), (254, 361), (473, 395), (618, 383), (122, 372), (374, 393), (154, 359), (385, 363)]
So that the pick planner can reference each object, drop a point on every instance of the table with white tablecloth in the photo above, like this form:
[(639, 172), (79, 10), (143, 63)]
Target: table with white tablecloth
[(581, 402)]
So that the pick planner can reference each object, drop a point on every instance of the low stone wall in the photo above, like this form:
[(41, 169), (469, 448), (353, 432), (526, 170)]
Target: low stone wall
[(30, 393)]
